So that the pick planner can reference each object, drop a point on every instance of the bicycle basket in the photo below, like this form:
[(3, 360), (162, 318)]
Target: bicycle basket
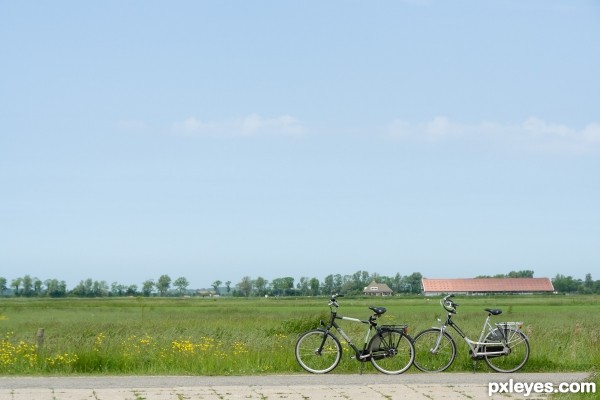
[(502, 333), (495, 336)]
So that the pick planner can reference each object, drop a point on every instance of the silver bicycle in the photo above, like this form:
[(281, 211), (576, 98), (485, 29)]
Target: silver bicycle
[(503, 346)]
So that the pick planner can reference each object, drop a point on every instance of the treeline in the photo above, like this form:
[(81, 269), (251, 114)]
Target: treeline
[(344, 284), (28, 286), (568, 284)]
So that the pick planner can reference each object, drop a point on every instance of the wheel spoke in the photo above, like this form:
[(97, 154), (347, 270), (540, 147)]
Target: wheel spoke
[(428, 360), (318, 352), (518, 351), (392, 352)]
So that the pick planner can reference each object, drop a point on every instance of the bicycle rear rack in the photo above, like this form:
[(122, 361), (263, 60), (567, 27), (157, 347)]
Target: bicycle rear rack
[(506, 325), (401, 328)]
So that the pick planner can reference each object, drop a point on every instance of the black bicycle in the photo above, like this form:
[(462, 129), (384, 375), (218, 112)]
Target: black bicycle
[(387, 347)]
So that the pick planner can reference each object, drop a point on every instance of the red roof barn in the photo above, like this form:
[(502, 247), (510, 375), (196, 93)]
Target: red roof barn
[(434, 287)]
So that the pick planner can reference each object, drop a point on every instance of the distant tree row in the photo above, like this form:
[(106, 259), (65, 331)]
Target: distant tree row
[(568, 284), (344, 284), (27, 286), (526, 273)]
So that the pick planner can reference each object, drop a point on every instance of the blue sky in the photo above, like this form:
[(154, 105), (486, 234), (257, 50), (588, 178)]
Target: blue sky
[(219, 139)]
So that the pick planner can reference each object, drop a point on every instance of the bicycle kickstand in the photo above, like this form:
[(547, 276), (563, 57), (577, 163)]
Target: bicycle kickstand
[(474, 366)]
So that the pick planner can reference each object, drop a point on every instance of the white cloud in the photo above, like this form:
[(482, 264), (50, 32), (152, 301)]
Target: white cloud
[(439, 127), (252, 125), (533, 134), (591, 133)]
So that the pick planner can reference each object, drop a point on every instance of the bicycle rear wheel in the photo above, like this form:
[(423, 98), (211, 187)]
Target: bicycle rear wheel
[(318, 351), (430, 359), (392, 352), (518, 352)]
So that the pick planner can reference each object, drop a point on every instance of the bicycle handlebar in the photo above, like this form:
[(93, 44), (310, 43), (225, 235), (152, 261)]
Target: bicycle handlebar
[(333, 301), (448, 304)]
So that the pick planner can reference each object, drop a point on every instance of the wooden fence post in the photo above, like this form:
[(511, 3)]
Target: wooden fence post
[(40, 338)]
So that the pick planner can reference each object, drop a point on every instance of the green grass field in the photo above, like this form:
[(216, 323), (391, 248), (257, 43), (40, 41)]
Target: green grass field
[(227, 336)]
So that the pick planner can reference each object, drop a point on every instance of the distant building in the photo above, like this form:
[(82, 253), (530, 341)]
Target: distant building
[(377, 289), (436, 287)]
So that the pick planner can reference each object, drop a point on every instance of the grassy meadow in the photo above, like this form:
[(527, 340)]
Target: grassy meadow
[(232, 336)]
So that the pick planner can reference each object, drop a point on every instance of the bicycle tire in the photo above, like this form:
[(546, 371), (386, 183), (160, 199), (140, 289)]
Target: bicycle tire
[(518, 355), (425, 359), (392, 352), (311, 359)]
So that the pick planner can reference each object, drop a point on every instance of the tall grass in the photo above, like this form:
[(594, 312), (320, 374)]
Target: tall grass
[(253, 336)]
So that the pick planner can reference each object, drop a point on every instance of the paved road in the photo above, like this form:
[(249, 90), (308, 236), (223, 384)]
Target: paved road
[(269, 387)]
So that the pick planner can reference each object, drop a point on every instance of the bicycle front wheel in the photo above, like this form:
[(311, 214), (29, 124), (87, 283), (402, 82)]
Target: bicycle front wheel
[(392, 352), (518, 351), (318, 351), (434, 350)]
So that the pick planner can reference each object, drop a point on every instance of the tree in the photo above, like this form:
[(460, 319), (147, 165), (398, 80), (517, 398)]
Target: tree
[(245, 286), (361, 280), (132, 290), (216, 285), (117, 289), (147, 287), (37, 286), (282, 286), (338, 281), (55, 288), (303, 286), (181, 283), (412, 283), (527, 273), (83, 289), (328, 285), (565, 284), (228, 286), (260, 284), (348, 284), (163, 284), (88, 287), (16, 283), (589, 282), (394, 283), (2, 285), (27, 283), (314, 286), (99, 289)]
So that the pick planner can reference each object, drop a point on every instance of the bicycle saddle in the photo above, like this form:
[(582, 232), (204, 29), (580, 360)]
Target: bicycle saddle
[(378, 310), (493, 311)]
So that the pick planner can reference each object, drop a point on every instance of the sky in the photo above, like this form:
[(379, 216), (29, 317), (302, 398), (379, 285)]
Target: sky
[(214, 140)]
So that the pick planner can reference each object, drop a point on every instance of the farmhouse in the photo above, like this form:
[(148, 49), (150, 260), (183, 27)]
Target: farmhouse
[(436, 287), (377, 289)]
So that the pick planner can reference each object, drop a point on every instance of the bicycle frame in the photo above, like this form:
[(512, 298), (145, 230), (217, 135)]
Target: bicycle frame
[(475, 346), (360, 354)]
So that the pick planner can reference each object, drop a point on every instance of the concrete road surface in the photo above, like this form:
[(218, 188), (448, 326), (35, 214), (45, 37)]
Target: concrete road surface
[(289, 387)]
